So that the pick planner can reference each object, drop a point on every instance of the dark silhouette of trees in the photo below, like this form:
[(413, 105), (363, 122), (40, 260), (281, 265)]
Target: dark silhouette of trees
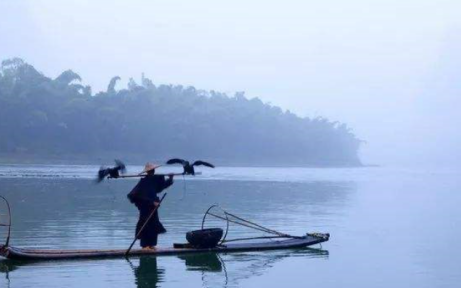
[(111, 87), (67, 77), (41, 116)]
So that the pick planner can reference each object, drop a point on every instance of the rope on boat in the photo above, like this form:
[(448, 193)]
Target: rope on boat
[(242, 224), (232, 218), (259, 226), (261, 237)]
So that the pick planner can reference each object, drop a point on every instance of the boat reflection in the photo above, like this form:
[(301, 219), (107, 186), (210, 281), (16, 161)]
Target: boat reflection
[(207, 262), (214, 270), (220, 270), (243, 266), (7, 267)]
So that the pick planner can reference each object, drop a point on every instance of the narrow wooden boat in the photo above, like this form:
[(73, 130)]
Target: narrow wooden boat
[(179, 249)]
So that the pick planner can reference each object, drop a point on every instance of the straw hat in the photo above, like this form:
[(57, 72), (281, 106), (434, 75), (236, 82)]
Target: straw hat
[(149, 167)]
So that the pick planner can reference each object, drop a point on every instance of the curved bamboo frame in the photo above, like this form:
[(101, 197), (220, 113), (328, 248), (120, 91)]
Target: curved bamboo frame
[(227, 222), (7, 243)]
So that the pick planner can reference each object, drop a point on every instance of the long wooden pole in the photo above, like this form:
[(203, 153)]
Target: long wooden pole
[(143, 175), (144, 225)]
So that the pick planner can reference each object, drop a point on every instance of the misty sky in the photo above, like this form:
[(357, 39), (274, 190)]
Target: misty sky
[(390, 69)]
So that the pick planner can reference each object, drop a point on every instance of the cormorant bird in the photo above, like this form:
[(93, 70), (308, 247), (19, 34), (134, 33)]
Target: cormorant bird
[(111, 172), (188, 168)]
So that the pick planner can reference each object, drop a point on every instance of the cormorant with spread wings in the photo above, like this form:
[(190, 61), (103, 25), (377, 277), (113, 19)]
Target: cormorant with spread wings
[(189, 168)]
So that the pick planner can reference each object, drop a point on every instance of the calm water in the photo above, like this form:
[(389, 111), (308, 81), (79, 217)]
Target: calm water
[(389, 227)]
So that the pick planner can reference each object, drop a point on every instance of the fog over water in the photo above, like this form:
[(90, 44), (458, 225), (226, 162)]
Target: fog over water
[(388, 69)]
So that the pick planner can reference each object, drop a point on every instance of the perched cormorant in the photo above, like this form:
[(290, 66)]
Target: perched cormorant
[(112, 172), (188, 168)]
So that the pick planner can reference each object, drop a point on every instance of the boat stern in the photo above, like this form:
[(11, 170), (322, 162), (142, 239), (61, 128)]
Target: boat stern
[(323, 236), (3, 251)]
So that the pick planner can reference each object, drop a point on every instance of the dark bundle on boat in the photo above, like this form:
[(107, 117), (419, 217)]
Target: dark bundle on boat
[(205, 238)]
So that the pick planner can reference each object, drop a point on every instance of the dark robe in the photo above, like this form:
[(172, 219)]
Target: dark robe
[(143, 195)]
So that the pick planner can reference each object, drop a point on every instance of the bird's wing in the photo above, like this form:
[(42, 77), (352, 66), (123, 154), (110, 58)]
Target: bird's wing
[(200, 162), (120, 165), (176, 161), (102, 173)]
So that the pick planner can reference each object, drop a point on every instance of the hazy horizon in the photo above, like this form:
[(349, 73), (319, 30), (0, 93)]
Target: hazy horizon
[(387, 69)]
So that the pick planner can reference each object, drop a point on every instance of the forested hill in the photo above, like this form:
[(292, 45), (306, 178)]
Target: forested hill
[(40, 116)]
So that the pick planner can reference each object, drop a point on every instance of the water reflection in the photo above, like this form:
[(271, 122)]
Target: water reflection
[(243, 266), (209, 262), (6, 267), (211, 266), (147, 274), (215, 270)]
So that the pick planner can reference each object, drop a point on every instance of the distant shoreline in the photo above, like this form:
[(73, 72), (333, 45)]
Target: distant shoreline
[(24, 159)]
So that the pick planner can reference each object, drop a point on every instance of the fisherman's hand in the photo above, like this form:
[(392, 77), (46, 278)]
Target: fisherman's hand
[(156, 204)]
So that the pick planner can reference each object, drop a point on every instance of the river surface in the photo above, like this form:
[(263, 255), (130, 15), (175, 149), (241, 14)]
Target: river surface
[(390, 227)]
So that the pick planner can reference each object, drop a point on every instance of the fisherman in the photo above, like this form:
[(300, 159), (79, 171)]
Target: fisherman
[(144, 196)]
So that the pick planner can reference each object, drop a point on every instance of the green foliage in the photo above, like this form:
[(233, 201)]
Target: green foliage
[(67, 77), (111, 86), (39, 115)]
